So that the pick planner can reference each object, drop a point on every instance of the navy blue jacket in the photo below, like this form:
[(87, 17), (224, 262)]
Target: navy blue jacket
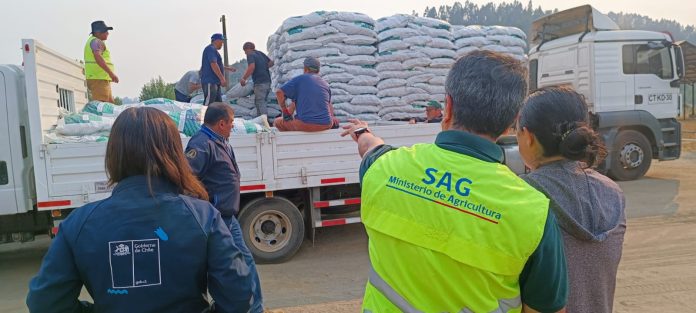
[(212, 160), (135, 252)]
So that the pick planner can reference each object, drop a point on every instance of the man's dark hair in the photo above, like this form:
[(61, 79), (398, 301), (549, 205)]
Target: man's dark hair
[(487, 90), (248, 45), (218, 111)]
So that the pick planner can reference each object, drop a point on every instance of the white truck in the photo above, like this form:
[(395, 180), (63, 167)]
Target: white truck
[(291, 181), (630, 79)]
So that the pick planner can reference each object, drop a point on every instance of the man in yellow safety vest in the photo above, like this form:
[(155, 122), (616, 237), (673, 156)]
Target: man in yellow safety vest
[(99, 70), (452, 229)]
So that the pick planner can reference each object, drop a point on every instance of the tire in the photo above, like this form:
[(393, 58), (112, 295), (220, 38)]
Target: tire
[(631, 156), (273, 229)]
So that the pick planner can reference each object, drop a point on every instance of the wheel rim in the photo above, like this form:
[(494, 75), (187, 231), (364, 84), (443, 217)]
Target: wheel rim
[(270, 231), (631, 156)]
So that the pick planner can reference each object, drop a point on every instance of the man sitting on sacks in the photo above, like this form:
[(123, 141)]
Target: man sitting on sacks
[(311, 100)]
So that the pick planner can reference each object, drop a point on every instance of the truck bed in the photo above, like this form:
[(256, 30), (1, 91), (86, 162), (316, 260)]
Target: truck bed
[(75, 173)]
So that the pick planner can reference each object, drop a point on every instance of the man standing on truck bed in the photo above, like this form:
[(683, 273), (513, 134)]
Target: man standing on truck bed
[(99, 70), (452, 229), (257, 67), (213, 161), (213, 70)]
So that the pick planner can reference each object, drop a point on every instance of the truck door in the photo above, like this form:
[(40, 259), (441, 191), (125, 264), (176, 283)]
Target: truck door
[(652, 67), (8, 200)]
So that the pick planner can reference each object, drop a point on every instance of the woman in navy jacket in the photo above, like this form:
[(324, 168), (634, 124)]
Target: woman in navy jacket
[(155, 245)]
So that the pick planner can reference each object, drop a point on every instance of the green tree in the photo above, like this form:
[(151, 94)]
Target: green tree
[(118, 101), (517, 14), (157, 88)]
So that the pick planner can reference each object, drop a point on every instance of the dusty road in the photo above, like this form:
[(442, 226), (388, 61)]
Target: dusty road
[(657, 272)]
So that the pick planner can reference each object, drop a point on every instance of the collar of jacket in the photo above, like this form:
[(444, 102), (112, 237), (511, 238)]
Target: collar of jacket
[(138, 184), (469, 144)]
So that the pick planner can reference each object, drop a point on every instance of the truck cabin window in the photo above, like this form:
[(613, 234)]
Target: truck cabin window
[(647, 59)]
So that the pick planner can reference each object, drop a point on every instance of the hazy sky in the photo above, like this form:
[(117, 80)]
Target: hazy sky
[(158, 37)]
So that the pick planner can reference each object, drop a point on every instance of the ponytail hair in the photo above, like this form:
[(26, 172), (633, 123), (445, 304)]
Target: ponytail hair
[(559, 119)]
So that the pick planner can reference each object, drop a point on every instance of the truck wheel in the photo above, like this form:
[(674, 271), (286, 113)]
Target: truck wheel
[(631, 156), (273, 229)]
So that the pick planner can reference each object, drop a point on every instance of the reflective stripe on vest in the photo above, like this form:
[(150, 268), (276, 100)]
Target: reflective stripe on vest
[(92, 69), (450, 232), (504, 305)]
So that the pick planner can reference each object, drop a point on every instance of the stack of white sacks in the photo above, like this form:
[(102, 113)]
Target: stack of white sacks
[(414, 57), (387, 69), (507, 40), (345, 44)]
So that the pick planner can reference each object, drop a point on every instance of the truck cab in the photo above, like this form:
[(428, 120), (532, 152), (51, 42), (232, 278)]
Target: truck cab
[(629, 78)]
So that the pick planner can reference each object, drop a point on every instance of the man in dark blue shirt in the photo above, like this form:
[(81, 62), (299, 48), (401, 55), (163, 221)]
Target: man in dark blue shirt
[(213, 70), (213, 161), (257, 67), (311, 98)]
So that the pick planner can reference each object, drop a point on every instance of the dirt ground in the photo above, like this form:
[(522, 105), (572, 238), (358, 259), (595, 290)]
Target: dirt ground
[(657, 272)]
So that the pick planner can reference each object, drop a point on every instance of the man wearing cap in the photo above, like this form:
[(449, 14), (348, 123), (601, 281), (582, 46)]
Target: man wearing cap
[(311, 99), (99, 71), (257, 67), (213, 71), (433, 113)]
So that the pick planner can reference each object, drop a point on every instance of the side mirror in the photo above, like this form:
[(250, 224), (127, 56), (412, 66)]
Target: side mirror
[(679, 59)]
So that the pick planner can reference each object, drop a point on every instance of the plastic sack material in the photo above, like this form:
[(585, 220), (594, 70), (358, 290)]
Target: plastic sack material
[(397, 74), (339, 77), (459, 31), (389, 66), (238, 91), (257, 125), (394, 21), (392, 45), (442, 62), (188, 122), (365, 100), (353, 49), (354, 28), (82, 124), (472, 42), (434, 52), (297, 34), (304, 21), (397, 34), (361, 60), (355, 90), (329, 38), (364, 80), (358, 70), (391, 83), (356, 109), (353, 17), (104, 108), (360, 40)]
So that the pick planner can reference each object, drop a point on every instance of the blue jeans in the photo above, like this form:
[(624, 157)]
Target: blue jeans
[(181, 97), (238, 237)]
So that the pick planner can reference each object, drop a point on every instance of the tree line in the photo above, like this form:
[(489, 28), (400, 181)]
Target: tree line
[(521, 16)]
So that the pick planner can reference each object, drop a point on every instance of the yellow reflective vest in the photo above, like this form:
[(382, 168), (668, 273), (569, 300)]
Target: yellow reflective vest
[(447, 232), (92, 69)]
